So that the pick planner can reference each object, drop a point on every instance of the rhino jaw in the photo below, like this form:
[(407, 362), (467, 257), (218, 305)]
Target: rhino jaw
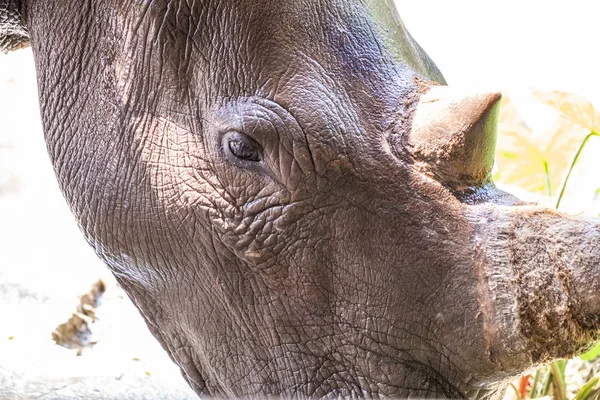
[(453, 136)]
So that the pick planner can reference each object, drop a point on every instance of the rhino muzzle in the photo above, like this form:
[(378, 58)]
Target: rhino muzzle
[(537, 269), (539, 283)]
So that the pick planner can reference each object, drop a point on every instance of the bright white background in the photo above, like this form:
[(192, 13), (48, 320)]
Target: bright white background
[(511, 44)]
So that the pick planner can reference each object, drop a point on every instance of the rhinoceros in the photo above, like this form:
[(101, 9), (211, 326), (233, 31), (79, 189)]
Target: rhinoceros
[(296, 202)]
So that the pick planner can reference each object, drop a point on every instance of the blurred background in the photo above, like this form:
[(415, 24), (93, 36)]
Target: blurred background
[(517, 47)]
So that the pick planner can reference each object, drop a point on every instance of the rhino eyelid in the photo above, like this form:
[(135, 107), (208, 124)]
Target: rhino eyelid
[(241, 149)]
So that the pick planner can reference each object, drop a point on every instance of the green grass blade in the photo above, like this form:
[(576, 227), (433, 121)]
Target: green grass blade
[(575, 158), (547, 385), (547, 172), (558, 379), (516, 391), (588, 390), (535, 384)]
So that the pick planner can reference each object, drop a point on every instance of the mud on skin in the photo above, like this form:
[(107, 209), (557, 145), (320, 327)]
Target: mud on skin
[(296, 203)]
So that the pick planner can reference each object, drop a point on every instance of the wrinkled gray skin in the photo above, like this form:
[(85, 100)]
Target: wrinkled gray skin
[(352, 247)]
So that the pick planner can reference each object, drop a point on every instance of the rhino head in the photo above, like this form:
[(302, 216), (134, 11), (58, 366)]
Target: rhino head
[(296, 203)]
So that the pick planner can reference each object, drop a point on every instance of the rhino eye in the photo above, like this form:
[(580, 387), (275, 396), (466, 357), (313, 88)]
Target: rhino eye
[(242, 147)]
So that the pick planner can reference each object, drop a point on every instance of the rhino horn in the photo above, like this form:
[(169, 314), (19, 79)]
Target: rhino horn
[(453, 136)]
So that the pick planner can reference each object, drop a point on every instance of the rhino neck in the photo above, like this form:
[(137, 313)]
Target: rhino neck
[(538, 284)]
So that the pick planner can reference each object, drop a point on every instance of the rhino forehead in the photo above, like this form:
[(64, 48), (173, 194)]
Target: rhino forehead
[(244, 46)]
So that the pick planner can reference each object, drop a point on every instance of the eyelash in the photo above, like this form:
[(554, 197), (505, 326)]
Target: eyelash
[(241, 148)]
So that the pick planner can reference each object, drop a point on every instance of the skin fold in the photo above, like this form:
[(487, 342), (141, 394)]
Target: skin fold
[(295, 204)]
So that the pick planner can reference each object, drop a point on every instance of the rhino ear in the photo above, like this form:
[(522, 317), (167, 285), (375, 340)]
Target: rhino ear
[(13, 32), (453, 136)]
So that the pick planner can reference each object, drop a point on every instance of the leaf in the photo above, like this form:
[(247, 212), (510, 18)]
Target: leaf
[(514, 153), (572, 107), (534, 162), (509, 114), (589, 390), (591, 353)]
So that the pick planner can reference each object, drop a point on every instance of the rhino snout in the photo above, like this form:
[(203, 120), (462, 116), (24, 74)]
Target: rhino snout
[(539, 284)]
